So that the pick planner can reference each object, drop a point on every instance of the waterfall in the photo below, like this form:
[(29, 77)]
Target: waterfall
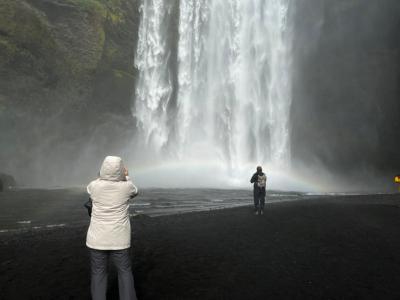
[(233, 93), (154, 87)]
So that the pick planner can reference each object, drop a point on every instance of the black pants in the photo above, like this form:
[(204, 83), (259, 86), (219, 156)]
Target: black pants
[(259, 199), (98, 262)]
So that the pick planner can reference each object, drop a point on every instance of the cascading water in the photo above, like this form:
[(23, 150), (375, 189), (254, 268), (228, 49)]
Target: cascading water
[(154, 87), (232, 99)]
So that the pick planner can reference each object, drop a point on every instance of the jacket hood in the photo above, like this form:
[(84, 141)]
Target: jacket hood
[(112, 169)]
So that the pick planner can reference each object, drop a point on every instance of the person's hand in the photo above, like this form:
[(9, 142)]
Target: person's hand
[(126, 172)]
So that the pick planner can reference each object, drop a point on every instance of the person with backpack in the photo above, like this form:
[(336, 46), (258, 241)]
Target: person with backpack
[(259, 179)]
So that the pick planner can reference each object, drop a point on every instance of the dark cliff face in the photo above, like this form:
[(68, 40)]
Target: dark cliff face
[(66, 80), (346, 93)]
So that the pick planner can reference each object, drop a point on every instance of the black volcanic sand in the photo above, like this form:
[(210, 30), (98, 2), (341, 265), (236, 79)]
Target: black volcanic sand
[(338, 247)]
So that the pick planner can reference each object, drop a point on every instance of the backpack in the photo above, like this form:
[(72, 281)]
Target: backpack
[(261, 181), (89, 205)]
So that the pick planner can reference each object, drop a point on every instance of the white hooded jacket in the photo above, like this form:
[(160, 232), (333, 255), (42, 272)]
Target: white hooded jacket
[(110, 228)]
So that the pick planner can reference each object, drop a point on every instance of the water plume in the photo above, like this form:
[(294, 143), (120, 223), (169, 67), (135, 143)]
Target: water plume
[(233, 94)]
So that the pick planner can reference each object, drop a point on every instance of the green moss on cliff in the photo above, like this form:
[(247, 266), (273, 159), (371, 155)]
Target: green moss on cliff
[(84, 61), (90, 6), (121, 74), (115, 13), (11, 53), (107, 9), (7, 51), (102, 15), (60, 51), (22, 27)]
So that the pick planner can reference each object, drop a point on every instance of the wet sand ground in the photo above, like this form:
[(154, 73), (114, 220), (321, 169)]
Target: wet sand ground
[(337, 247)]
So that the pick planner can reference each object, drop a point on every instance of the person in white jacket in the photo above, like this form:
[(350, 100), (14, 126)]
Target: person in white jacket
[(109, 233)]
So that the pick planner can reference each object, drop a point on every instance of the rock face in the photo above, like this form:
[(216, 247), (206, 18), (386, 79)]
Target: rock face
[(6, 182), (346, 94), (66, 69)]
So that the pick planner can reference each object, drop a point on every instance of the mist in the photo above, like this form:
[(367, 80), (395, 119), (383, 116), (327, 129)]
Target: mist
[(345, 111)]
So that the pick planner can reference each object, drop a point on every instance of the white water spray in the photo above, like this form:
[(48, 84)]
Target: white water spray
[(154, 87), (233, 92)]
